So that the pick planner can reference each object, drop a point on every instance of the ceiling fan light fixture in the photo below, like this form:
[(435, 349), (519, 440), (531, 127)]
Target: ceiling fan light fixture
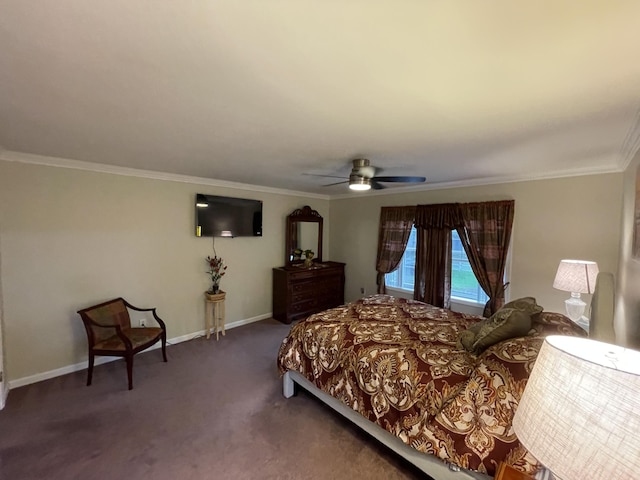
[(358, 183)]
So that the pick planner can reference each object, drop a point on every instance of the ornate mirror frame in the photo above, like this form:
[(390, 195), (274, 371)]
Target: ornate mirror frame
[(298, 216)]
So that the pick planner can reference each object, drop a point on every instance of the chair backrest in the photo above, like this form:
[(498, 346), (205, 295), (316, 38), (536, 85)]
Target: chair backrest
[(108, 313)]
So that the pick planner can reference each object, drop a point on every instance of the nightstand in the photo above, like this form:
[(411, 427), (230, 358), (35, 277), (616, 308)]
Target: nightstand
[(507, 472)]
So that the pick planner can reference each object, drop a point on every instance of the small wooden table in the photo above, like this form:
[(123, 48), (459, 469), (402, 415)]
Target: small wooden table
[(214, 312), (507, 472)]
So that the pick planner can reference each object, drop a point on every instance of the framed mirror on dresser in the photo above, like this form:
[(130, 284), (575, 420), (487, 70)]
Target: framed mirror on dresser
[(305, 284)]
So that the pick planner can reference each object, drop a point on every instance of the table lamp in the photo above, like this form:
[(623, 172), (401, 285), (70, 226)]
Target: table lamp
[(579, 414), (576, 276)]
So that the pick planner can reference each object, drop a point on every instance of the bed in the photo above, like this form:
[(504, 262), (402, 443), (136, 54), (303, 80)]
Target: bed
[(397, 368)]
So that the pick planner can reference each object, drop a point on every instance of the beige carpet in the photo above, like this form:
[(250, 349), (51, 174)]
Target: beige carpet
[(214, 411)]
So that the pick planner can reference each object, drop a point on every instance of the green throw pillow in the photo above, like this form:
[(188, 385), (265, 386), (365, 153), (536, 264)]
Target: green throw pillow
[(504, 324), (528, 304)]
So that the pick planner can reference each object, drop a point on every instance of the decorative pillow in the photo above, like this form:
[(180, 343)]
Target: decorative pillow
[(505, 323), (467, 337), (528, 304)]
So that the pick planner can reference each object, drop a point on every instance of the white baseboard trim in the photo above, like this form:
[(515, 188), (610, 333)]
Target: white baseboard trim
[(39, 377), (3, 395)]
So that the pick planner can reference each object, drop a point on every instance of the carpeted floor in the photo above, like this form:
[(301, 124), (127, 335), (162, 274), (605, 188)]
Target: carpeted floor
[(214, 411)]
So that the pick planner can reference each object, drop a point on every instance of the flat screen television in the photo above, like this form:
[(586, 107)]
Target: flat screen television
[(218, 216)]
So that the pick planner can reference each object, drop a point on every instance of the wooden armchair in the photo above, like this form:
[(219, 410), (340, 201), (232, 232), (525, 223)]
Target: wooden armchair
[(109, 333)]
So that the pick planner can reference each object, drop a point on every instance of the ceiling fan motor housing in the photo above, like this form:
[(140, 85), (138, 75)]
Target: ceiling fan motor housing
[(362, 168), (363, 177)]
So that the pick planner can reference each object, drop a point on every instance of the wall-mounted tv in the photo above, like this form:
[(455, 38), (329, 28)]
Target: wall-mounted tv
[(218, 216)]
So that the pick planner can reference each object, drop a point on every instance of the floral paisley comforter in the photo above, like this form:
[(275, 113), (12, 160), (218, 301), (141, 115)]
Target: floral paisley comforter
[(397, 363)]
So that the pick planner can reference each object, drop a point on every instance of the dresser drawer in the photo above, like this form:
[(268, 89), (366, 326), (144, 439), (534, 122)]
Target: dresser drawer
[(299, 292), (307, 285), (305, 306), (302, 296)]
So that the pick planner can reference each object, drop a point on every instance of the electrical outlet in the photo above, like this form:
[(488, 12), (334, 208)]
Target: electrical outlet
[(142, 322)]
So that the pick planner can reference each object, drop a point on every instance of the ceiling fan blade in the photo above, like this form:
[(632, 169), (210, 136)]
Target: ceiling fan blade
[(337, 183), (376, 186), (318, 175), (400, 179)]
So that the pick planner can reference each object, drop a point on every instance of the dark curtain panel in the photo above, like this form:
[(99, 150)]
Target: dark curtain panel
[(433, 267), (485, 237), (393, 235), (433, 253)]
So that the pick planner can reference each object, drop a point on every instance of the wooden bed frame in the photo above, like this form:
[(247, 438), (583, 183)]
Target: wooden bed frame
[(601, 328)]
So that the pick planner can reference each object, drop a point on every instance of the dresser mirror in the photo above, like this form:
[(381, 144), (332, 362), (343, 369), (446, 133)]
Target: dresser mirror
[(304, 232)]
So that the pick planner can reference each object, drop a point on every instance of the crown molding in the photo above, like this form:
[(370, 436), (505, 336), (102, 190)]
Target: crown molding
[(11, 156), (631, 142), (632, 145)]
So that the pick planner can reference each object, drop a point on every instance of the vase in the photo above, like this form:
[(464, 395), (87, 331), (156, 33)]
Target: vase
[(214, 289), (308, 261)]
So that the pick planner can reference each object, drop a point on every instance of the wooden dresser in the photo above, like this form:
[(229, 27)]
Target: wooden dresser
[(298, 291)]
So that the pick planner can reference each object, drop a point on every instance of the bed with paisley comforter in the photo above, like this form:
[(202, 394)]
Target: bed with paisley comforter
[(399, 369)]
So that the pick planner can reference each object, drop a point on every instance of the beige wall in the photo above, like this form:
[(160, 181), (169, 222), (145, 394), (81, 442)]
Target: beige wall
[(576, 217), (71, 238), (627, 323)]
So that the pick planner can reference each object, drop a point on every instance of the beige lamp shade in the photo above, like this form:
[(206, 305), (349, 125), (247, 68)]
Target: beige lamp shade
[(577, 276), (580, 412)]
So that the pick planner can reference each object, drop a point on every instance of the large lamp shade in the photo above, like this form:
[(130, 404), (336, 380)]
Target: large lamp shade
[(580, 412)]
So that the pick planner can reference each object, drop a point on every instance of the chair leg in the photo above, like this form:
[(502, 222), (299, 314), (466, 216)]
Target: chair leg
[(164, 346), (129, 359), (90, 369)]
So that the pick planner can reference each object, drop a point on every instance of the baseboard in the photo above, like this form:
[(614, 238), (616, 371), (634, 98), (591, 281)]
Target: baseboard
[(38, 377), (3, 395)]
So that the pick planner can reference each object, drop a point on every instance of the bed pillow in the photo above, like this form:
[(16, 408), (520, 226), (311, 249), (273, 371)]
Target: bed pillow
[(528, 304), (504, 324)]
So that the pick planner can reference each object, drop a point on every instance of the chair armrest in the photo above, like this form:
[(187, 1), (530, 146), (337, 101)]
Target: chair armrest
[(115, 326), (152, 310)]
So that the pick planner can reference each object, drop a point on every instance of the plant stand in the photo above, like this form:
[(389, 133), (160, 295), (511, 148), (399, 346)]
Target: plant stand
[(214, 313)]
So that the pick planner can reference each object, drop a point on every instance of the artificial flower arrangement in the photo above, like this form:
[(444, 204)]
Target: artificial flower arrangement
[(298, 252), (308, 258), (217, 269)]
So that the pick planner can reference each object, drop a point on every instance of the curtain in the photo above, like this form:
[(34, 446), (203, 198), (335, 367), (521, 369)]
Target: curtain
[(433, 253), (393, 235), (485, 236)]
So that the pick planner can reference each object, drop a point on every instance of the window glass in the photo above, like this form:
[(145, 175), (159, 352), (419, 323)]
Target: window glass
[(464, 285)]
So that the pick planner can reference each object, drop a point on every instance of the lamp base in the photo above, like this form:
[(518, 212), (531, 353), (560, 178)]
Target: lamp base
[(575, 307), (583, 322)]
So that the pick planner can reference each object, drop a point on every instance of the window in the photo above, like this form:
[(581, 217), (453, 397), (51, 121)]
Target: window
[(464, 285), (403, 276)]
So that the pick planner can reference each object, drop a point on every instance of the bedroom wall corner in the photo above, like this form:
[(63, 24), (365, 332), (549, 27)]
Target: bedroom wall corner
[(4, 384), (627, 311)]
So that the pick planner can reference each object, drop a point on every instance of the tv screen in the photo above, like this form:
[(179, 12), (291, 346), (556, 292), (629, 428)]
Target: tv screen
[(227, 216)]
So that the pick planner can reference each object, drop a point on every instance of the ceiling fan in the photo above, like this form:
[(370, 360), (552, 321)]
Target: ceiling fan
[(363, 177)]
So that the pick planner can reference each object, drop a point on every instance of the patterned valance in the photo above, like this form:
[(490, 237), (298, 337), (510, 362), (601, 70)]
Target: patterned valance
[(446, 216)]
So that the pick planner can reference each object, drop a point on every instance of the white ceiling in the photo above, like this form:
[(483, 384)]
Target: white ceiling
[(261, 92)]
